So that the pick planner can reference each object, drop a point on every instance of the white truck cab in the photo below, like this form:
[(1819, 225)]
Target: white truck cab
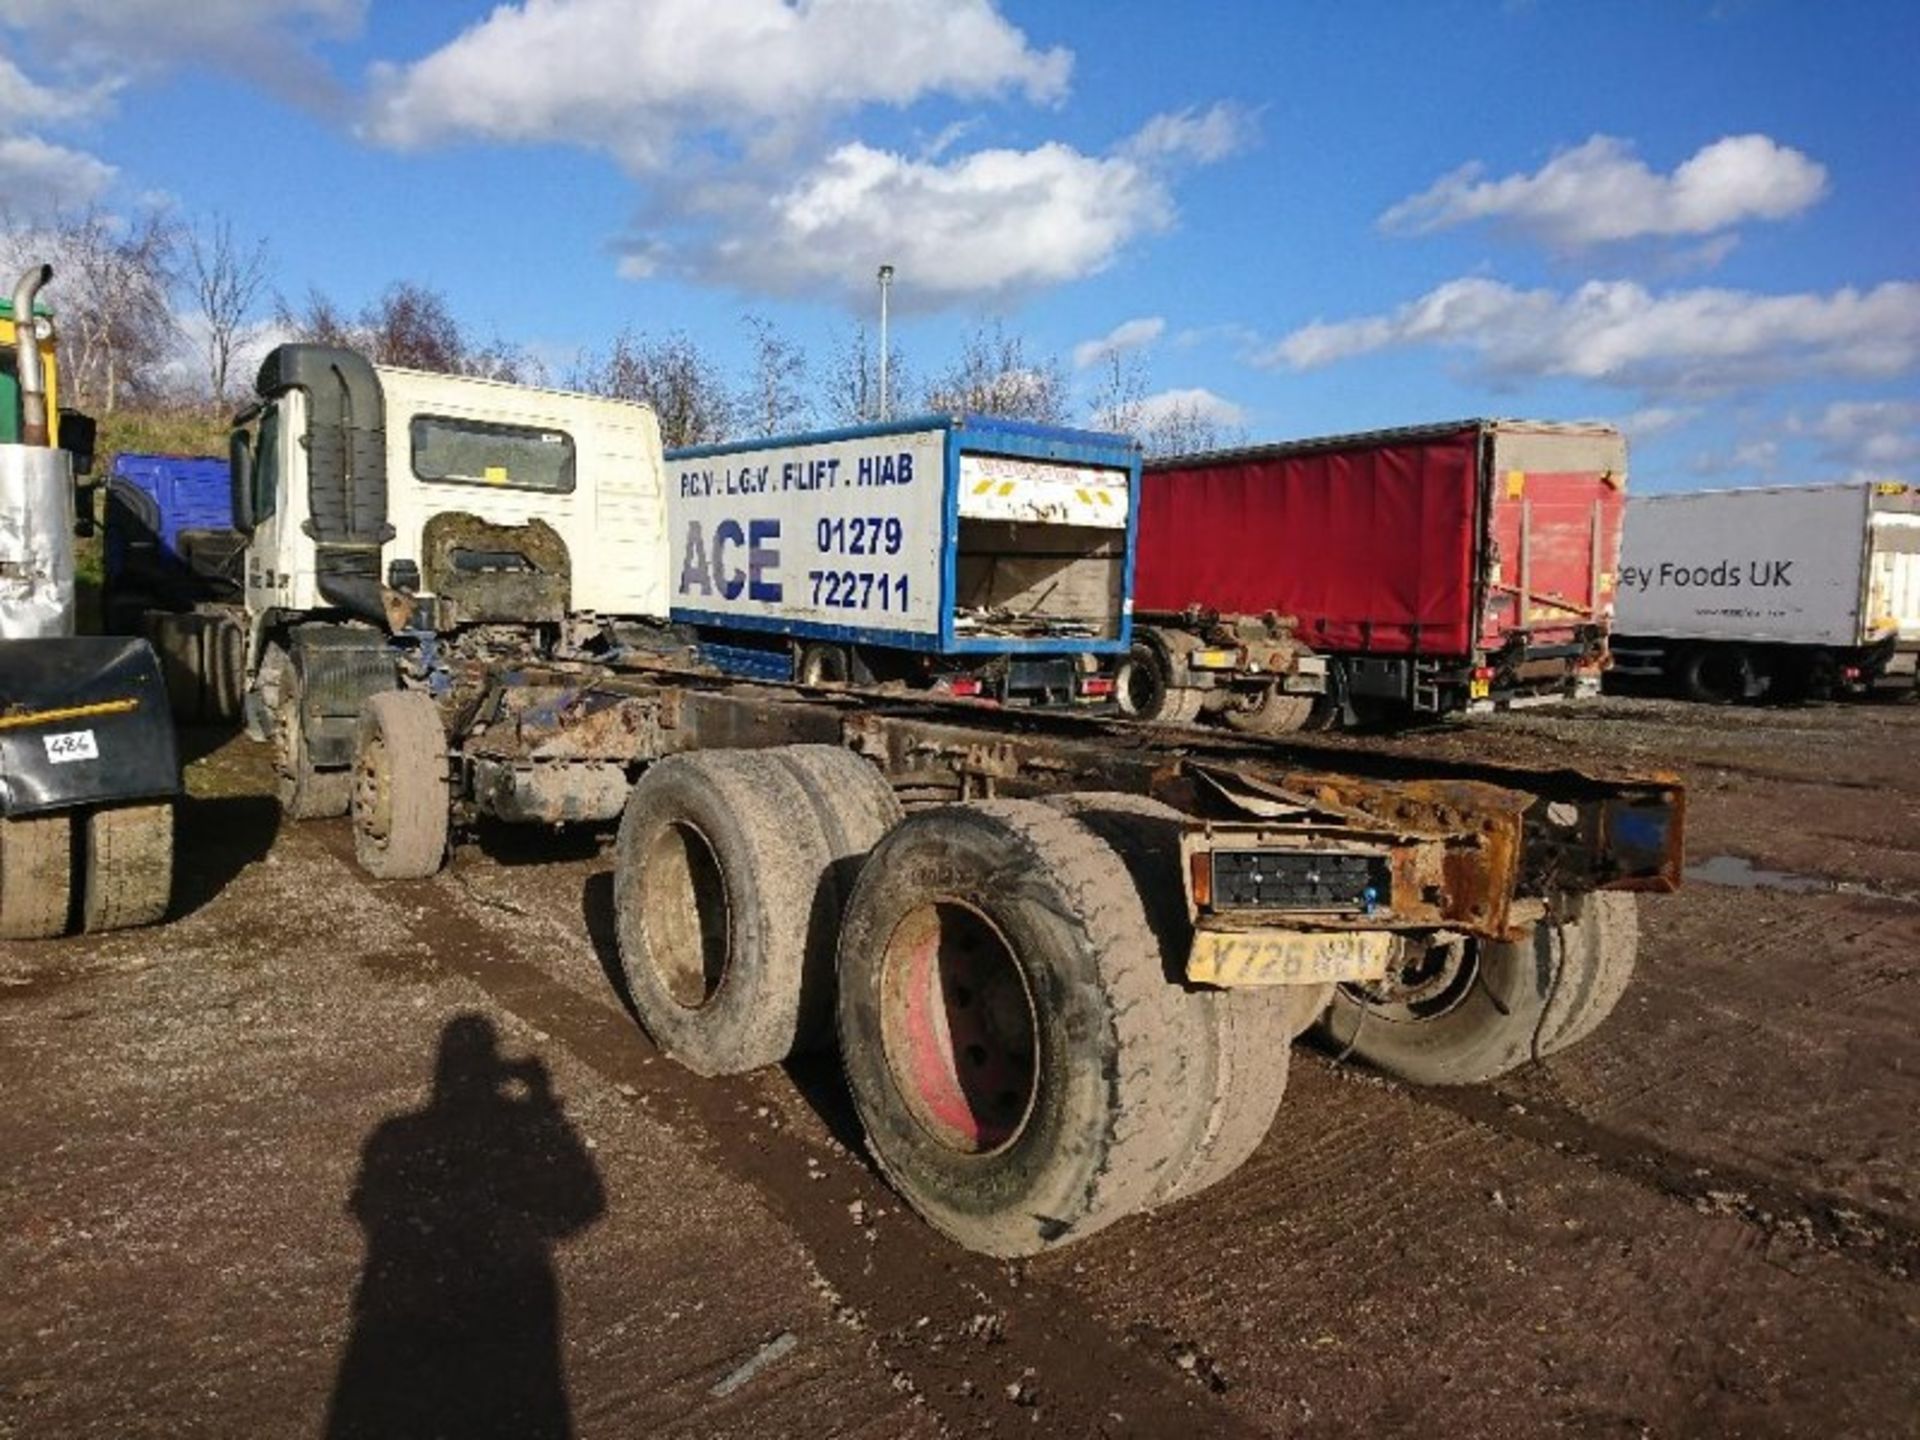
[(505, 454)]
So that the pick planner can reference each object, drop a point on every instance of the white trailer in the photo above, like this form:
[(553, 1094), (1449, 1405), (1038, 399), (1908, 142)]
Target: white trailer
[(1782, 591)]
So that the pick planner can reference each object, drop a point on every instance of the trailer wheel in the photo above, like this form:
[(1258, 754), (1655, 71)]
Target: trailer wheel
[(823, 665), (1599, 947), (127, 871), (399, 777), (1271, 713), (730, 874), (1022, 1065), (1473, 1011), (1144, 689), (306, 793), (36, 876), (1237, 1078)]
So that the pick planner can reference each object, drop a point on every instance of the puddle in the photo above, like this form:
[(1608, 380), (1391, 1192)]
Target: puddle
[(1741, 873), (1736, 872)]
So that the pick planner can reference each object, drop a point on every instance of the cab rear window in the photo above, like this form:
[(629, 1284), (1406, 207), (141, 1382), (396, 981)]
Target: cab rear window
[(479, 452)]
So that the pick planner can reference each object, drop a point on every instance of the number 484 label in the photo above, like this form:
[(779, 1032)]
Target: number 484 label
[(73, 745)]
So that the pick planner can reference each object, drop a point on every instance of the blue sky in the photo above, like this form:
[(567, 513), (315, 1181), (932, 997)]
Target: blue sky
[(1698, 220)]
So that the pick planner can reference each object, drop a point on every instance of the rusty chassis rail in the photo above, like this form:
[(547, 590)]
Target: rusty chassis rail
[(1479, 848)]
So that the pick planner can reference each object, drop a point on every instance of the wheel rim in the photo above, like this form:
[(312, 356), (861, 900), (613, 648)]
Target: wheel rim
[(684, 911), (373, 793), (958, 1028), (1424, 990)]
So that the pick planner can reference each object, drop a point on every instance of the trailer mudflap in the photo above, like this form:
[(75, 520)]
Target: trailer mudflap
[(83, 721)]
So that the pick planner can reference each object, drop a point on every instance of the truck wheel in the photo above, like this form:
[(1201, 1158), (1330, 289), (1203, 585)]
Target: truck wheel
[(822, 665), (1716, 675), (1472, 1011), (1598, 948), (306, 793), (1271, 713), (127, 871), (36, 876), (1144, 689), (1021, 1062), (730, 874), (399, 775), (1240, 1075)]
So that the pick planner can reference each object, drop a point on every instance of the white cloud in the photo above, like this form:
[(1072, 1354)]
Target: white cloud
[(1202, 136), (38, 178), (1127, 335), (1616, 332), (984, 226), (1189, 406), (26, 101), (266, 42), (1601, 191), (634, 78), (1872, 436), (1654, 420)]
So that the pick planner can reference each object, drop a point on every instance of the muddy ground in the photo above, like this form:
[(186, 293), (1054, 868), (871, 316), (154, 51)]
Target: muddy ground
[(324, 1149)]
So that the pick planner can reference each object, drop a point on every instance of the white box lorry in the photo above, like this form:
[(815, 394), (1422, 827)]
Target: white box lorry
[(1786, 592)]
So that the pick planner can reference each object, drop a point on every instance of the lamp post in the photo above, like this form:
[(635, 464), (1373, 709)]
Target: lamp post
[(886, 284)]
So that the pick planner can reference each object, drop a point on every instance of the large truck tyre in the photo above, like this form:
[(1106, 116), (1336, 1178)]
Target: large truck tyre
[(1271, 712), (306, 792), (1717, 674), (1239, 1077), (36, 876), (127, 868), (729, 878), (1025, 1070), (1486, 1008), (1144, 688), (399, 778)]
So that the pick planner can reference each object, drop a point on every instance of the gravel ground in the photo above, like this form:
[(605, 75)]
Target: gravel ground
[(326, 1156)]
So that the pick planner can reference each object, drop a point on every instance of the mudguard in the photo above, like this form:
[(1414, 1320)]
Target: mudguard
[(83, 721)]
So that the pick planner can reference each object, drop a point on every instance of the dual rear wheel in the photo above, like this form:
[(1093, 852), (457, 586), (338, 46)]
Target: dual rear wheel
[(122, 865)]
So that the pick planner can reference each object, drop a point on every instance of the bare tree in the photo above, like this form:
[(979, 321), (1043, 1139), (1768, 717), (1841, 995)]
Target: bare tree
[(1119, 399), (319, 322), (850, 388), (410, 324), (995, 376), (113, 277), (1184, 427), (673, 375), (225, 279), (775, 399)]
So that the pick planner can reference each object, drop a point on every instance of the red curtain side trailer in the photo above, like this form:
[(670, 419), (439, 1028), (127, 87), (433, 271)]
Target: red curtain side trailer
[(1438, 568)]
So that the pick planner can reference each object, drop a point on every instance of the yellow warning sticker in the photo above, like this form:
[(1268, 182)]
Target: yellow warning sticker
[(1516, 484)]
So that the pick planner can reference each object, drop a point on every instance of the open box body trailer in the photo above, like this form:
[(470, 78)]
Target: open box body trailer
[(1433, 569), (981, 556)]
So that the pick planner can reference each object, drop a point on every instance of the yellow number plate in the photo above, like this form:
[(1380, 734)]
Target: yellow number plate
[(1214, 659), (1287, 957), (1478, 689)]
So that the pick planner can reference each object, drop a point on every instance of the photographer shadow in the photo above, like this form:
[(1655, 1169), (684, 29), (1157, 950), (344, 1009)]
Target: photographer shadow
[(456, 1319)]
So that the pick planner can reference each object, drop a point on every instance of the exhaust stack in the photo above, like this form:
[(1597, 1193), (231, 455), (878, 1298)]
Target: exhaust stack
[(26, 345)]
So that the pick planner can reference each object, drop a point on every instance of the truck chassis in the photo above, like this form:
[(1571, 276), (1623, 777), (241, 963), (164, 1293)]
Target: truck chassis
[(1063, 958)]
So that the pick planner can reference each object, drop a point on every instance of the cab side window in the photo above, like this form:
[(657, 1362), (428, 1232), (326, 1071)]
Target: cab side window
[(266, 465)]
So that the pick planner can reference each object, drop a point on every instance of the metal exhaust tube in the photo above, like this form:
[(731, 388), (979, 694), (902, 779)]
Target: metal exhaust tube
[(26, 346)]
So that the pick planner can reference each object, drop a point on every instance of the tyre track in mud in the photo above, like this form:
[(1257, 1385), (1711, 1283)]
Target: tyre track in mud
[(1712, 1187), (983, 1343)]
